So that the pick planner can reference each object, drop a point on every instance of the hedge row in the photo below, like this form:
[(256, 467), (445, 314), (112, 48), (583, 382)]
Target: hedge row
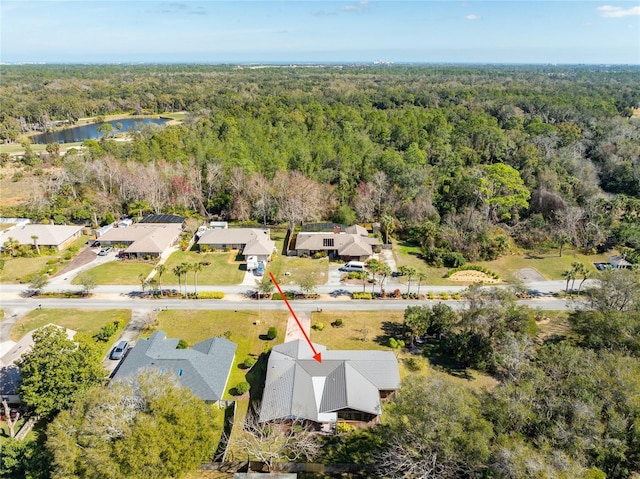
[(211, 295), (361, 296)]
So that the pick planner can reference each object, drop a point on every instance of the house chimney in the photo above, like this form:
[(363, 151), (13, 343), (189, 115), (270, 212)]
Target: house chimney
[(336, 230)]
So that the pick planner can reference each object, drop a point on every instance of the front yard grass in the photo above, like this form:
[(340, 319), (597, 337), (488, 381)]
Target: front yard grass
[(225, 268), (548, 263), (118, 272), (80, 320), (18, 269), (196, 326), (298, 269)]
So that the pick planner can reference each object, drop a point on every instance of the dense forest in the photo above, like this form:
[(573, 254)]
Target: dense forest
[(460, 159)]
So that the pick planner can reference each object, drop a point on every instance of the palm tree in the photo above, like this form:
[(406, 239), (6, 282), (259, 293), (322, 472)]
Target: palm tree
[(35, 243), (160, 269), (383, 272), (577, 268), (196, 267), (374, 267), (186, 267), (420, 276), (11, 245), (569, 275), (178, 271)]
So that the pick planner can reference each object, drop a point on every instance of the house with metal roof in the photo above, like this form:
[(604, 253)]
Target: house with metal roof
[(53, 236), (251, 241), (204, 368), (353, 244), (347, 386), (143, 239)]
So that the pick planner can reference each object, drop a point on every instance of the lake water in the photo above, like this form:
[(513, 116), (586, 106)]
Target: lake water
[(90, 132)]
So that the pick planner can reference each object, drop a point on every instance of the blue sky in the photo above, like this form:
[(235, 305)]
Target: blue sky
[(213, 31)]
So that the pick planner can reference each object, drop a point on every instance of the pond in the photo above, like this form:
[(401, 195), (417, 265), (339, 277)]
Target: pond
[(90, 132)]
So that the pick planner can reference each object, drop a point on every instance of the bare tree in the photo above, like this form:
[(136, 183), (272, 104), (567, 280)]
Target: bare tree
[(286, 441), (298, 198), (11, 422)]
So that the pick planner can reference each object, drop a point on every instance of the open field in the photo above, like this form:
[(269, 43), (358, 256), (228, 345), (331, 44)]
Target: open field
[(195, 326), (548, 263), (225, 268), (118, 272), (82, 321)]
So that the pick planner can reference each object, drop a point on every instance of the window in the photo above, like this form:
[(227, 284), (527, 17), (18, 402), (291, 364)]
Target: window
[(327, 242)]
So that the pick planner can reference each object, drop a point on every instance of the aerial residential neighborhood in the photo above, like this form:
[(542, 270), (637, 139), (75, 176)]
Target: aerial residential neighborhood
[(319, 270)]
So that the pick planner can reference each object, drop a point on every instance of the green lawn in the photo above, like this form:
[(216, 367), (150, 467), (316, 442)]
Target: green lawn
[(407, 255), (83, 321), (15, 269), (299, 268), (195, 326), (549, 264), (225, 268), (118, 272)]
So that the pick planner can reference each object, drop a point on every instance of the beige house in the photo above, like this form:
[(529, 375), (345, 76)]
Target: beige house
[(250, 241), (353, 244), (143, 239), (53, 236)]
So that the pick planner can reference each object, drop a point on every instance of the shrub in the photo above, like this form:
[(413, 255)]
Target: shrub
[(345, 428), (444, 295), (248, 363), (106, 331), (241, 388), (361, 296), (318, 326), (396, 343), (272, 333), (397, 293), (413, 364), (182, 344), (287, 294), (456, 296), (338, 323), (211, 295), (431, 295)]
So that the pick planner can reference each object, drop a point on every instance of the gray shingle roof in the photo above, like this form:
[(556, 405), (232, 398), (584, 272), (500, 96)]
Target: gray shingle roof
[(204, 368), (298, 386), (48, 235), (256, 241)]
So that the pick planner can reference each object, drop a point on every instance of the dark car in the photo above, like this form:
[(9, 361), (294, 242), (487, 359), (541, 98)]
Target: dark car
[(120, 350)]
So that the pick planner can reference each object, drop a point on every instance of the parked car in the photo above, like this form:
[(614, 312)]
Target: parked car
[(120, 350), (259, 271), (104, 251), (351, 266)]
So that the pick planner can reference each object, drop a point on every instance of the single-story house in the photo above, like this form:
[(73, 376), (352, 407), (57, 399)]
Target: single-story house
[(353, 244), (204, 368), (347, 386), (618, 262), (53, 236), (9, 372), (143, 239), (251, 241)]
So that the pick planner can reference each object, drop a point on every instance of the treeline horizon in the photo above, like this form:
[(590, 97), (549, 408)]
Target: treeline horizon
[(459, 159)]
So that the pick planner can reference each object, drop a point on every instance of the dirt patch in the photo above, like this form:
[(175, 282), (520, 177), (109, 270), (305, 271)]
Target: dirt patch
[(529, 275), (473, 277)]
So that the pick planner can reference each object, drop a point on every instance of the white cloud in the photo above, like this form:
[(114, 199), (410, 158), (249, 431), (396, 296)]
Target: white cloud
[(472, 16), (361, 6), (609, 11)]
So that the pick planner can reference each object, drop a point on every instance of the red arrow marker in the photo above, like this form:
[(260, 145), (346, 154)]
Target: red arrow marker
[(316, 355)]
